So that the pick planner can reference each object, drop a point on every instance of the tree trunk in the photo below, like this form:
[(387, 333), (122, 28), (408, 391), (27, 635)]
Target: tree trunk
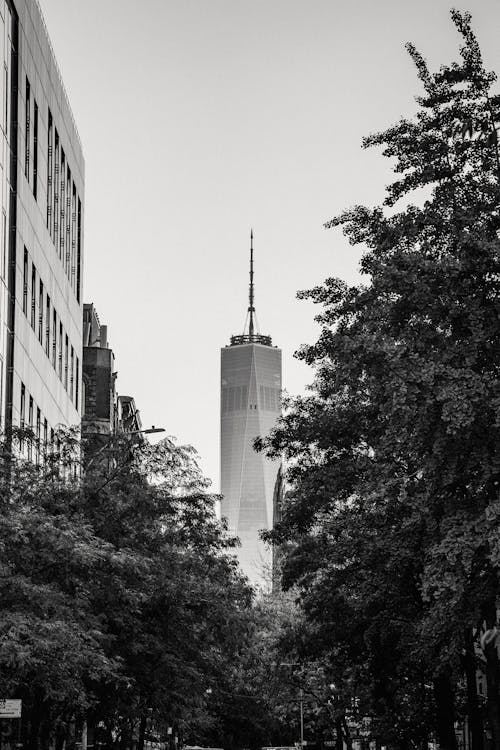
[(34, 729), (110, 743), (339, 735), (445, 711), (24, 729), (142, 733), (493, 685), (84, 735), (473, 708), (347, 734), (60, 740), (45, 732), (71, 734)]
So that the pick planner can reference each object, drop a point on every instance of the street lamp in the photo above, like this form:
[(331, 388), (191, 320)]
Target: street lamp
[(148, 431)]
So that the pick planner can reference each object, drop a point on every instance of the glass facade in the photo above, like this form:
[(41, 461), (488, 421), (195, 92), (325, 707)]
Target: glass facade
[(250, 405)]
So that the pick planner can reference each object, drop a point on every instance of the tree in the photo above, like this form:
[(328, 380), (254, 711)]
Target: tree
[(120, 599), (394, 510)]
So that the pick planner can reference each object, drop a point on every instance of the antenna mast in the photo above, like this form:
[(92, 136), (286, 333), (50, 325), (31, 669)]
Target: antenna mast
[(251, 308), (253, 336)]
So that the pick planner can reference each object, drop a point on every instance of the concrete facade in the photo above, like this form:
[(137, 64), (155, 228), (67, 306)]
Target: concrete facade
[(41, 232)]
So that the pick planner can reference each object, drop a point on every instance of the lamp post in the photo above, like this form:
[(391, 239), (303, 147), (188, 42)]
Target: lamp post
[(148, 431), (301, 701)]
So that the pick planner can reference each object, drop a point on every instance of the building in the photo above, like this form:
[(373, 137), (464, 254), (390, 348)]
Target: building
[(105, 413), (250, 406), (128, 418), (41, 232), (278, 497), (99, 416)]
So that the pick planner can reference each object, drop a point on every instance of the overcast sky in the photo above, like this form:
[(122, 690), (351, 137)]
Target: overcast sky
[(203, 118)]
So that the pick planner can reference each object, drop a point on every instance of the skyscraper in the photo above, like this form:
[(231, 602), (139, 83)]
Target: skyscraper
[(250, 406)]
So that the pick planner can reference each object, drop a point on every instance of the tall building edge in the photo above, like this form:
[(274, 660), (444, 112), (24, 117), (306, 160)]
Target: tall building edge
[(41, 232)]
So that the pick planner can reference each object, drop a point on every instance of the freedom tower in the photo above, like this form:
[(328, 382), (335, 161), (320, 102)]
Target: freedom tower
[(250, 406)]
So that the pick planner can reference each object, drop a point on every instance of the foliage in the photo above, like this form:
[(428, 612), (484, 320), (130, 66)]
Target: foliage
[(391, 523), (260, 704), (120, 598)]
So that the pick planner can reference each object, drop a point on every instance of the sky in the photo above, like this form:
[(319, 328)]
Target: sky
[(202, 119)]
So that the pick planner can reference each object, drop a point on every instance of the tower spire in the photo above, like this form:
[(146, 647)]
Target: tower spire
[(253, 336), (251, 308)]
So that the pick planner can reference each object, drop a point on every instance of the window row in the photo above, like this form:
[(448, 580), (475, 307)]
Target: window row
[(6, 36), (43, 441), (31, 141), (270, 398), (235, 398), (48, 328), (64, 209), (31, 417)]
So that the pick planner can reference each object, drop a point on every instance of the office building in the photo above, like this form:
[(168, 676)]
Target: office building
[(250, 406), (41, 231)]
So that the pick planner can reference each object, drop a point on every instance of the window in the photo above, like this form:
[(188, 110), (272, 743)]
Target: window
[(22, 408), (6, 103), (55, 234), (35, 148), (68, 223), (79, 251), (4, 242), (38, 433), (33, 296), (73, 236), (66, 350), (25, 283), (47, 327), (45, 433), (30, 421), (54, 337), (50, 166), (62, 205), (40, 312), (235, 398), (71, 373), (77, 384), (60, 350), (27, 134)]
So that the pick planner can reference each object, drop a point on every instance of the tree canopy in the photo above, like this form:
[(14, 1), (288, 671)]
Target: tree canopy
[(390, 527), (120, 598)]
